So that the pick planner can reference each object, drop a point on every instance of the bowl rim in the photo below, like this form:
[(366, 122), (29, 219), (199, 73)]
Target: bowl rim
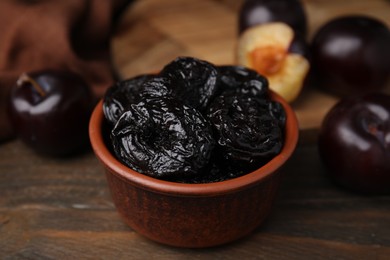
[(185, 189)]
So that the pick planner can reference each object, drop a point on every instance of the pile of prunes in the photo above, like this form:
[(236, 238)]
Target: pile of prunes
[(194, 122)]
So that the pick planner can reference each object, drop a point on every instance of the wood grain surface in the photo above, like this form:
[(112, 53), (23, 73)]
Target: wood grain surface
[(61, 208), (154, 32)]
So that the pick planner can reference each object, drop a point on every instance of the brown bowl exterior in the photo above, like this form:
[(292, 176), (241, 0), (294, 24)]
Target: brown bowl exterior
[(193, 215), (192, 221)]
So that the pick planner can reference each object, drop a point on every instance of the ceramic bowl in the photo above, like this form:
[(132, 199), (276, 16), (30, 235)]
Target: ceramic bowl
[(192, 215)]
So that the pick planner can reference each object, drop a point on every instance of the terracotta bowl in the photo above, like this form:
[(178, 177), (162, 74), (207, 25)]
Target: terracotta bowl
[(192, 215)]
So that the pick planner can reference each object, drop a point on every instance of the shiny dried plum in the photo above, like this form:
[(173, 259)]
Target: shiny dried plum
[(120, 95), (156, 87), (195, 122), (196, 81), (277, 111), (238, 77), (163, 138), (254, 87), (248, 135)]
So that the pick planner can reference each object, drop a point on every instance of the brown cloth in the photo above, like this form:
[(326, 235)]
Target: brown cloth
[(49, 34)]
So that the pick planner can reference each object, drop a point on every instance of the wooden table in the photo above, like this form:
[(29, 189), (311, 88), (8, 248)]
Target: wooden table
[(61, 208)]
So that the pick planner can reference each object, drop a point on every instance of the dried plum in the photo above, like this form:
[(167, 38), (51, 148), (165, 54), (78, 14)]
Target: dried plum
[(163, 138), (254, 87), (120, 95), (196, 81), (248, 135), (238, 77), (194, 122), (277, 111), (156, 87)]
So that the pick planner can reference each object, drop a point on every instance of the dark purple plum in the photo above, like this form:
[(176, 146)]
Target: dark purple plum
[(354, 143), (50, 110), (351, 54), (291, 12)]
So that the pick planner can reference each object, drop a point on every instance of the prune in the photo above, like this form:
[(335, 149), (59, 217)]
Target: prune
[(119, 96), (247, 134), (163, 138), (277, 111), (195, 81), (196, 123), (242, 79), (49, 111), (157, 87)]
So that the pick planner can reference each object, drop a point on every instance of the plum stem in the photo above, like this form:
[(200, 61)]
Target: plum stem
[(25, 78)]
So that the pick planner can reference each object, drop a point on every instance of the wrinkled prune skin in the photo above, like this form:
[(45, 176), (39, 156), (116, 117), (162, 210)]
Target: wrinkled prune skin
[(163, 138), (277, 111), (248, 135), (243, 79), (195, 81), (120, 95), (157, 87), (194, 122)]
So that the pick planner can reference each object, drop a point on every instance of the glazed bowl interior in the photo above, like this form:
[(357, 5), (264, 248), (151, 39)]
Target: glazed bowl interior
[(104, 154)]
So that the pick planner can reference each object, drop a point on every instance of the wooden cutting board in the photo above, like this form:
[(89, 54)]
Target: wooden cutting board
[(153, 32)]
